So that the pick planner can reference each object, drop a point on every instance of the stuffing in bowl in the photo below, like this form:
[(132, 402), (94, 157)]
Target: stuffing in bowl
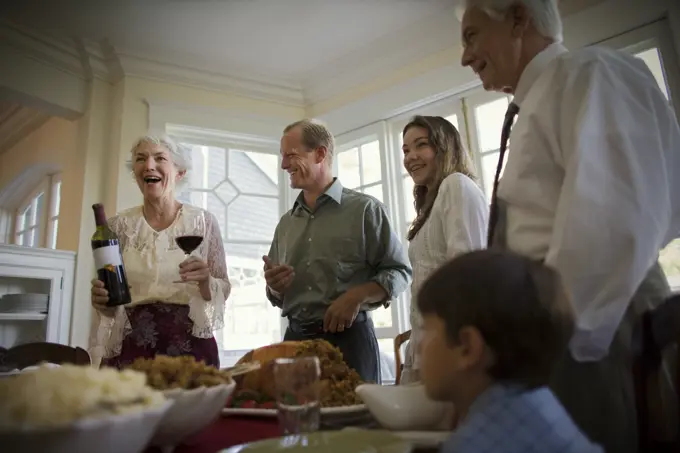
[(199, 393)]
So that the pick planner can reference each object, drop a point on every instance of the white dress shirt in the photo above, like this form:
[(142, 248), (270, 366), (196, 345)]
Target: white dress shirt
[(592, 180), (457, 224)]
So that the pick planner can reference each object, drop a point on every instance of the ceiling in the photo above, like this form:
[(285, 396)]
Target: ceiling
[(314, 47), (291, 41)]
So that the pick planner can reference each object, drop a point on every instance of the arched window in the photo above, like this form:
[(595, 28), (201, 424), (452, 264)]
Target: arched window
[(37, 218)]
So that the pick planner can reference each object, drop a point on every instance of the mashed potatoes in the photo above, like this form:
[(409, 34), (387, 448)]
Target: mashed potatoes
[(53, 397)]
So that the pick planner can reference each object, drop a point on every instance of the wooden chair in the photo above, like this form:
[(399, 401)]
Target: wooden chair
[(31, 354), (399, 340), (656, 333)]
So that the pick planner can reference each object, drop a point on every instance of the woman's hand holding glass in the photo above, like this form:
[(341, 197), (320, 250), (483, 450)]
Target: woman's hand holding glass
[(194, 269)]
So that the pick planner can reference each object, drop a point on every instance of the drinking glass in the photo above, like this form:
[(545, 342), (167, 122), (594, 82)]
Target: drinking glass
[(192, 237), (297, 383)]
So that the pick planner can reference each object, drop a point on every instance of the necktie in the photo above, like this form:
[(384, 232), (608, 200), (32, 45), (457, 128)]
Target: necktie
[(510, 114)]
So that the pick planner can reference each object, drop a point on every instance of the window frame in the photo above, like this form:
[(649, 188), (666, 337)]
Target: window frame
[(345, 142), (44, 226), (241, 142)]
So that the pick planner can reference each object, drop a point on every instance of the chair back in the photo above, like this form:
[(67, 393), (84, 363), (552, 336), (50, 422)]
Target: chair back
[(31, 354), (399, 340), (657, 336)]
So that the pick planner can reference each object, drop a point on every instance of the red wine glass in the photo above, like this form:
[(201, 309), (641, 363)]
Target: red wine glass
[(192, 237)]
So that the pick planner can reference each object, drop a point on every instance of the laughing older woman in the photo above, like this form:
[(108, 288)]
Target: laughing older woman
[(166, 316)]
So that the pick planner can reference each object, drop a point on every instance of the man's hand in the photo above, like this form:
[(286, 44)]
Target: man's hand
[(342, 312), (278, 276)]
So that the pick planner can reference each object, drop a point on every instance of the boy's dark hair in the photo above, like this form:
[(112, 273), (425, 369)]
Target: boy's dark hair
[(519, 306)]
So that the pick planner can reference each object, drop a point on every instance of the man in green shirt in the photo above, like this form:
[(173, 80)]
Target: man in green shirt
[(334, 255)]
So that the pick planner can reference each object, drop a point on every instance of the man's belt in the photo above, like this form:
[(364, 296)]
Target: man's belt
[(315, 327)]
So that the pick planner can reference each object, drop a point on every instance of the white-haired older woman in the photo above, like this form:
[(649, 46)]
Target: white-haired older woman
[(177, 302)]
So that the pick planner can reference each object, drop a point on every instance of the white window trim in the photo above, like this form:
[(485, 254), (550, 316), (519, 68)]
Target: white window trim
[(357, 137), (243, 142), (53, 211), (41, 226)]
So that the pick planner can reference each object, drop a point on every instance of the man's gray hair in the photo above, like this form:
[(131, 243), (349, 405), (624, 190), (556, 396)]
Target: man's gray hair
[(179, 154), (544, 14), (314, 135)]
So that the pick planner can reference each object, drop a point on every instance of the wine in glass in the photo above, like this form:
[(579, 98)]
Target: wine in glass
[(193, 236)]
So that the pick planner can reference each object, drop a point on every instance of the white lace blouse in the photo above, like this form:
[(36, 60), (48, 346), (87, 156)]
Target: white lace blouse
[(457, 224), (151, 260)]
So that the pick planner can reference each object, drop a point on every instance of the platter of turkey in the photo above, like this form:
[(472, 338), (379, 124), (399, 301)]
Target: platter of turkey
[(255, 391)]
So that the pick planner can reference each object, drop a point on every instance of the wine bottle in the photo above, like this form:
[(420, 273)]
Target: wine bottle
[(108, 260)]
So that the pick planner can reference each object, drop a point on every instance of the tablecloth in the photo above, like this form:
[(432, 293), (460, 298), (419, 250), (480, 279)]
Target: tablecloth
[(226, 432)]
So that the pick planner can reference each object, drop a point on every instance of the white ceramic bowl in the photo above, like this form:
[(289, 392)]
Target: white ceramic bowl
[(192, 411), (129, 433), (404, 407)]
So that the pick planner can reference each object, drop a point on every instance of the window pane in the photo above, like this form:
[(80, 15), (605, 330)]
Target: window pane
[(408, 197), (370, 161), (32, 237), (453, 119), (388, 365), (240, 188), (53, 238), (489, 165), (653, 60), (56, 192), (489, 118), (375, 191), (382, 317), (348, 168)]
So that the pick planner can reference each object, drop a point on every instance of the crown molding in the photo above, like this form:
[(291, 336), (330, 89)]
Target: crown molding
[(141, 67), (384, 56)]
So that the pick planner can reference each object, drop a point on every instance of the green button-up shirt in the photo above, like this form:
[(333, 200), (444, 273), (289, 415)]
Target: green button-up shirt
[(345, 241)]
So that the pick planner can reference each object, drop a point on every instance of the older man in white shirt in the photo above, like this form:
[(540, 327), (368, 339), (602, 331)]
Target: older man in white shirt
[(591, 185)]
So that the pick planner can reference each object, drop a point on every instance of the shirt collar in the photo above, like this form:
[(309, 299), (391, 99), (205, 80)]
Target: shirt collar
[(334, 192), (534, 69), (494, 394)]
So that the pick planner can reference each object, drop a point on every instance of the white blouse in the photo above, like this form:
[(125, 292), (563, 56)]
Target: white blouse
[(457, 224), (152, 260)]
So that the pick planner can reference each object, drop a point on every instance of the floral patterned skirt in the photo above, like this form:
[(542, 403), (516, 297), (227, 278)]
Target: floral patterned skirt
[(162, 329)]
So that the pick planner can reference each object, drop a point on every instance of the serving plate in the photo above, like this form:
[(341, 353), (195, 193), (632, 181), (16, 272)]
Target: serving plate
[(330, 411)]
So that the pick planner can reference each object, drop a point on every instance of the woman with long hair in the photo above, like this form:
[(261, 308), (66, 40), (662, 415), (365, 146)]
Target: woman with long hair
[(451, 210)]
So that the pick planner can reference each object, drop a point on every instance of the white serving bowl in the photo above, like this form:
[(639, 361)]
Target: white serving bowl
[(129, 433), (192, 411), (404, 407)]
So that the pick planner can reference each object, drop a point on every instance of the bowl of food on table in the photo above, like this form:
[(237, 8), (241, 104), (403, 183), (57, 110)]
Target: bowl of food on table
[(78, 408), (405, 407), (199, 393), (255, 391)]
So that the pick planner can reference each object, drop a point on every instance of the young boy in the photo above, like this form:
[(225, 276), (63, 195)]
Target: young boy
[(494, 325)]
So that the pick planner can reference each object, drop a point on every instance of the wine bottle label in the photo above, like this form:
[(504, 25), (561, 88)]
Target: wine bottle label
[(107, 256)]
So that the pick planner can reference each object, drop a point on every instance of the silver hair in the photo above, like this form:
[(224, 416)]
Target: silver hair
[(544, 14), (179, 155)]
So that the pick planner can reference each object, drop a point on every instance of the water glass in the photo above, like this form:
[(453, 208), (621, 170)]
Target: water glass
[(297, 383)]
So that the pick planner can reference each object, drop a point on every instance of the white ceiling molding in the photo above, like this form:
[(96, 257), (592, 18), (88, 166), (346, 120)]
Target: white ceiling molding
[(167, 117), (394, 51), (165, 72)]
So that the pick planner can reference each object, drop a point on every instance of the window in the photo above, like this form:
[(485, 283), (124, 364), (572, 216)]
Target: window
[(360, 169), (37, 219), (486, 115), (241, 188)]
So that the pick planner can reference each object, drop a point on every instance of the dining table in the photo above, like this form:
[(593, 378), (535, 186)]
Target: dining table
[(229, 431)]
